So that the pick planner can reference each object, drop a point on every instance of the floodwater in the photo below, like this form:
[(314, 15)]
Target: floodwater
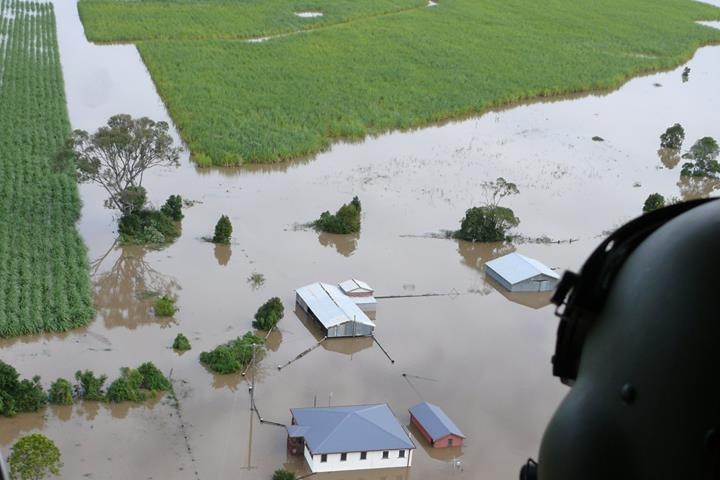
[(481, 354)]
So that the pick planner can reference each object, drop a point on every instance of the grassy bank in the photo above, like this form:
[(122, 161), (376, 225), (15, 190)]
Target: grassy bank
[(237, 102), (44, 280), (135, 20)]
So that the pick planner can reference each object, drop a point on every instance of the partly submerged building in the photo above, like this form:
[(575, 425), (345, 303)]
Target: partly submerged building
[(436, 426), (360, 293), (357, 437), (336, 313), (518, 273)]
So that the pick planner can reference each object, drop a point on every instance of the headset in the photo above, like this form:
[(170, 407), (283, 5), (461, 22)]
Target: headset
[(579, 298)]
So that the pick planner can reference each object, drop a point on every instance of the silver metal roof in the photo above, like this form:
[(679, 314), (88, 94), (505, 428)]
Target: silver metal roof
[(331, 306), (434, 420), (359, 428), (516, 268), (355, 285)]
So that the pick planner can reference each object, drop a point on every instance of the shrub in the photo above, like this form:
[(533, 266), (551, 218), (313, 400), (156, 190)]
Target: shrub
[(653, 202), (134, 198), (181, 343), (164, 307), (173, 207), (147, 227), (90, 385), (703, 159), (30, 396), (223, 230), (232, 356), (487, 224), (269, 314), (18, 395), (345, 220), (283, 474), (152, 378), (60, 392), (673, 137), (127, 387), (33, 457)]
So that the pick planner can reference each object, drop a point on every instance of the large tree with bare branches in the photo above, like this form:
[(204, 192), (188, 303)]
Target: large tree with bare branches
[(118, 154)]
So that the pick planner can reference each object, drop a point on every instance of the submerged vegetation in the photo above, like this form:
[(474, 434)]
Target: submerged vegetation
[(34, 457), (164, 306), (458, 58), (654, 201), (18, 395), (223, 230), (490, 222), (269, 314), (181, 343), (702, 159), (345, 220), (44, 279), (233, 356), (673, 137)]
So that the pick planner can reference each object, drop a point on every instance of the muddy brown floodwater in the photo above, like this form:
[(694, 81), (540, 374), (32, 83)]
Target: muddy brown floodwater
[(481, 354)]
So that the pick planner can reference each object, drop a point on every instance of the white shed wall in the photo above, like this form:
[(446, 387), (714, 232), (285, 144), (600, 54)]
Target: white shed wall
[(353, 462)]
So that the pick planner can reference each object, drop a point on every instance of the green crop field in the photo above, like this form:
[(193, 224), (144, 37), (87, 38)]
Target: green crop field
[(44, 279), (237, 102)]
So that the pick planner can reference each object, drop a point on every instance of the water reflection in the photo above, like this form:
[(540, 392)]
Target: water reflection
[(534, 300), (62, 412), (347, 345), (476, 254), (669, 157), (697, 187), (124, 292), (273, 340), (222, 254), (121, 410), (20, 424), (89, 410), (344, 244), (254, 169)]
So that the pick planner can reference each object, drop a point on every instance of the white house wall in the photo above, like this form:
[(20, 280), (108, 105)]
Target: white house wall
[(353, 462)]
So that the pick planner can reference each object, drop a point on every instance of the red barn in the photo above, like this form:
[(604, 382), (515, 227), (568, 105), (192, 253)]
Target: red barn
[(435, 426)]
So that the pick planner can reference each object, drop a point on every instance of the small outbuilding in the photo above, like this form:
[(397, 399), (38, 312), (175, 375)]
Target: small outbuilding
[(361, 293), (518, 273), (335, 313), (355, 437), (435, 426)]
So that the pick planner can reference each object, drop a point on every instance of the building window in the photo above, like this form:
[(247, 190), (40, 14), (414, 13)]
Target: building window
[(401, 454), (386, 455), (363, 455), (343, 457), (450, 441), (323, 458)]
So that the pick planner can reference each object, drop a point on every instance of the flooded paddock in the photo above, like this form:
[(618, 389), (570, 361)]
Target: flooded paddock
[(481, 354)]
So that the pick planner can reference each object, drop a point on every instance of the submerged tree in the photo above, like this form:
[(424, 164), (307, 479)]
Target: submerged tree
[(653, 202), (673, 137), (181, 343), (34, 457), (491, 222), (223, 230), (703, 159), (60, 392), (117, 156), (345, 220), (269, 314)]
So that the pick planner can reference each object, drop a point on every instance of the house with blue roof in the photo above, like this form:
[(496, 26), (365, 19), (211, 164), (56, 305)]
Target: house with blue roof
[(436, 426), (357, 437), (518, 273)]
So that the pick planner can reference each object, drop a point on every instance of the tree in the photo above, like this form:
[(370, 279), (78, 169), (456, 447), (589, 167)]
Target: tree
[(345, 220), (60, 392), (232, 356), (152, 378), (673, 137), (223, 230), (173, 207), (283, 474), (90, 386), (181, 343), (653, 202), (499, 189), (269, 314), (34, 457), (18, 395), (486, 224), (164, 307), (117, 156), (703, 159), (127, 387)]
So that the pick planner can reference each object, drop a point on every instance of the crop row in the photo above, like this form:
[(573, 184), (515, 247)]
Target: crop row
[(44, 279)]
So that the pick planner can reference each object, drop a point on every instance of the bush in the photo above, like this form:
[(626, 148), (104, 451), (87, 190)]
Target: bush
[(134, 198), (232, 356), (164, 307), (127, 387), (153, 379), (173, 207), (18, 395), (487, 224), (345, 220), (703, 159), (223, 230), (147, 227), (60, 392), (90, 385), (283, 475), (33, 457), (181, 343), (653, 202), (673, 137), (269, 314), (30, 396)]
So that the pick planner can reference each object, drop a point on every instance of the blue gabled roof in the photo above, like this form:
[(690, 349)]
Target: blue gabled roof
[(434, 421), (360, 428)]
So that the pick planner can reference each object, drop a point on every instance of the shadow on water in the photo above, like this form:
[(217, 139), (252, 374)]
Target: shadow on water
[(344, 244), (124, 289)]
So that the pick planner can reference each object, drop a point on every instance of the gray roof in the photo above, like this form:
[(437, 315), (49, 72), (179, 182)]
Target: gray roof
[(355, 285), (516, 268), (359, 428), (331, 306), (434, 421)]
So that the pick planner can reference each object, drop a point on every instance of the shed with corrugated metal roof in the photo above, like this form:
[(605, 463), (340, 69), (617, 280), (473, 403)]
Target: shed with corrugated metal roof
[(335, 312), (518, 273), (436, 426)]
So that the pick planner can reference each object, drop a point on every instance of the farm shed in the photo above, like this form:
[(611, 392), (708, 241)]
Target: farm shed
[(518, 273), (435, 426), (358, 437), (335, 312), (361, 293)]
